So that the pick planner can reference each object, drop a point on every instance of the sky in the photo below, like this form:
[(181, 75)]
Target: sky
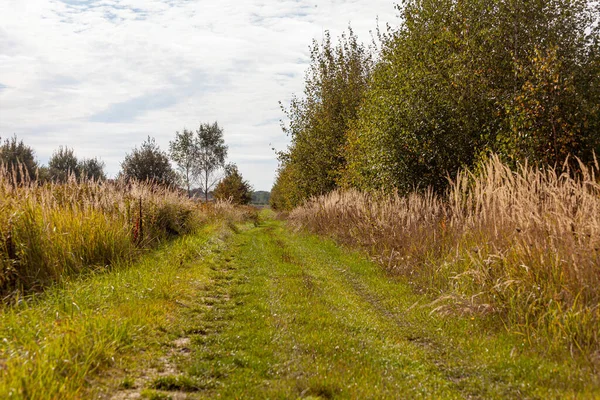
[(100, 76)]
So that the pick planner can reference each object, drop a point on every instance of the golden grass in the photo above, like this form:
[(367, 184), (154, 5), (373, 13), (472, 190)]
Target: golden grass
[(524, 245), (48, 231)]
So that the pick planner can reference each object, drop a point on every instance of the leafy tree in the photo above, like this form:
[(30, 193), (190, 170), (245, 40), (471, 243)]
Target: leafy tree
[(233, 187), (458, 80), (212, 152), (18, 159), (92, 168), (185, 151), (260, 197), (285, 194), (148, 163), (43, 173), (63, 164), (335, 83)]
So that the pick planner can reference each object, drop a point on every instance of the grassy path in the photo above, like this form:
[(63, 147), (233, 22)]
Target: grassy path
[(292, 316), (261, 312)]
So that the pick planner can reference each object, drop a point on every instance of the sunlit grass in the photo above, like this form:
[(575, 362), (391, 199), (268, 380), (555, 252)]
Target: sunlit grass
[(50, 231), (52, 344), (523, 246), (296, 316)]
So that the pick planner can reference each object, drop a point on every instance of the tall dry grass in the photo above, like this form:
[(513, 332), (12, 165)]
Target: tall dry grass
[(48, 231), (524, 245)]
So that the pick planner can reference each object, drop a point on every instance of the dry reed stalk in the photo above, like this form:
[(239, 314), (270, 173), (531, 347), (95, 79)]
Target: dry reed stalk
[(522, 244), (50, 230)]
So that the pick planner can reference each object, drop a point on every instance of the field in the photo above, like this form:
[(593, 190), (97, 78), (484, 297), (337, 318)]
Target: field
[(51, 231), (488, 292), (261, 312), (522, 246)]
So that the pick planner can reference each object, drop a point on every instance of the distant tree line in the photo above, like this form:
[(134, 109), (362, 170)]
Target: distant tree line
[(455, 82), (19, 160), (199, 155)]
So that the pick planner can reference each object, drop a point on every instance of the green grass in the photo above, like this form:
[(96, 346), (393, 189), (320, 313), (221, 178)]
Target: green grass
[(53, 232), (294, 316), (263, 313), (52, 344)]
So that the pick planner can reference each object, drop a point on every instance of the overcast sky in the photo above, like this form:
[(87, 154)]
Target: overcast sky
[(101, 75)]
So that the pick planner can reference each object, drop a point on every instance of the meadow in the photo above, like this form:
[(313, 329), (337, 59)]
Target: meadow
[(207, 301), (49, 231), (523, 246)]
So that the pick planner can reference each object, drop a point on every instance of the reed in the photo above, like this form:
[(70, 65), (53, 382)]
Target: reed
[(49, 231), (523, 245)]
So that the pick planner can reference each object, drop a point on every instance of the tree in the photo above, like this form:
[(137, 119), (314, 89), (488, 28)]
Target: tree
[(18, 159), (460, 79), (63, 164), (212, 153), (92, 168), (261, 197), (285, 194), (335, 83), (233, 187), (185, 151), (148, 163)]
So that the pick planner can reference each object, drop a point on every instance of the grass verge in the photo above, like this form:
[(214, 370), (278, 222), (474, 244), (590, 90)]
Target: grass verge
[(262, 312), (53, 344), (521, 245), (293, 316)]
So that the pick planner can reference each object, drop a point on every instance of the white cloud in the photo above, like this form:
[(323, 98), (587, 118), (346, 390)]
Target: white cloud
[(102, 75)]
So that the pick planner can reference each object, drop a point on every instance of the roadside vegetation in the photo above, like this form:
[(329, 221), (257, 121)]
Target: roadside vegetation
[(521, 245), (452, 84), (54, 343), (53, 230), (289, 315), (459, 150)]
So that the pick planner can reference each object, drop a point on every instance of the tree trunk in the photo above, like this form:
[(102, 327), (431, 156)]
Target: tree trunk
[(206, 188)]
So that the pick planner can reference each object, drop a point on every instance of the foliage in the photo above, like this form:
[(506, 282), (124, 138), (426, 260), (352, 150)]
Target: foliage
[(212, 153), (460, 79), (63, 164), (334, 85), (285, 194), (148, 164), (233, 187), (61, 342), (48, 232), (18, 159), (122, 329), (92, 169), (184, 150), (342, 333), (261, 197)]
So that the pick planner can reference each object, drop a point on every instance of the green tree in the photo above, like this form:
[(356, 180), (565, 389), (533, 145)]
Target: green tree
[(233, 187), (185, 151), (460, 79), (285, 194), (212, 153), (92, 168), (335, 83), (18, 159), (148, 163), (260, 197), (63, 164)]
